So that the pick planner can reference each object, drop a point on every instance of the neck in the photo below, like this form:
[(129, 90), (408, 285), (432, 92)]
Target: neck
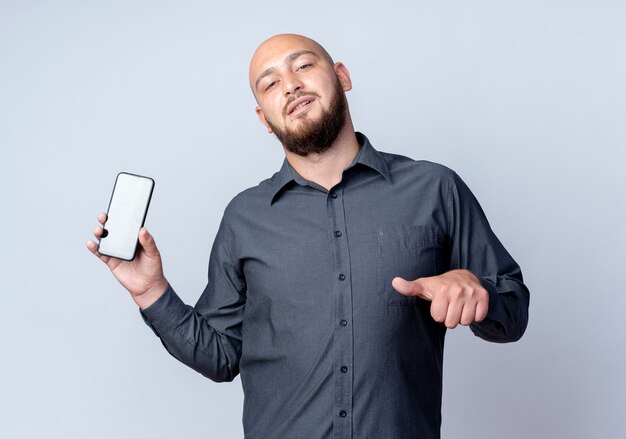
[(326, 168)]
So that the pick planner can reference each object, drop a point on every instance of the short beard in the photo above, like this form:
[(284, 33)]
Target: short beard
[(316, 136)]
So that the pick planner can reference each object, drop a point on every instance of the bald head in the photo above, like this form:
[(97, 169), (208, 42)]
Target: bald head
[(276, 49)]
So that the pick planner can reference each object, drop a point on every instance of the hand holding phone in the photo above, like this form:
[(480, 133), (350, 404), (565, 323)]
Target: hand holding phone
[(141, 273)]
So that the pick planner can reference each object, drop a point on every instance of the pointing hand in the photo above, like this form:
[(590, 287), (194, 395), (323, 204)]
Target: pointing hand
[(457, 296)]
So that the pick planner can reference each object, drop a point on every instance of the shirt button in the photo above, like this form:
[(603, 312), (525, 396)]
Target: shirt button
[(343, 322), (344, 369), (333, 195), (343, 414), (337, 233), (342, 276)]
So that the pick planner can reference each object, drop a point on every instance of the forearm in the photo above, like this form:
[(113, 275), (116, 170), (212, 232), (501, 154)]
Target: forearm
[(189, 338)]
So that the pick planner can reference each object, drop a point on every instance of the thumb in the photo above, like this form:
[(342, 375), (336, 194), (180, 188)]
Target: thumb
[(411, 288), (147, 243)]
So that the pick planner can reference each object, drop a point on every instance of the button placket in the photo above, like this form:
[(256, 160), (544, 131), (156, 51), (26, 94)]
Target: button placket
[(342, 300)]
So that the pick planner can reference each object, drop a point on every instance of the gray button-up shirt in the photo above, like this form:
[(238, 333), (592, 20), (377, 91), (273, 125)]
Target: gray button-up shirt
[(299, 299)]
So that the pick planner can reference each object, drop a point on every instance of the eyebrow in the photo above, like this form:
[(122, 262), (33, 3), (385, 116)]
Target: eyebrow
[(289, 58)]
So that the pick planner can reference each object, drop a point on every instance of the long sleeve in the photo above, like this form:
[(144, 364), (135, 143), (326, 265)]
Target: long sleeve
[(206, 337), (475, 247)]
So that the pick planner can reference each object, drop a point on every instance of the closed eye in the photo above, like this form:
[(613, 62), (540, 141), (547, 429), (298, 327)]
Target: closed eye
[(270, 85), (304, 66)]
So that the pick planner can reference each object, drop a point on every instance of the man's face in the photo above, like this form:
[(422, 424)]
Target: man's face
[(301, 94)]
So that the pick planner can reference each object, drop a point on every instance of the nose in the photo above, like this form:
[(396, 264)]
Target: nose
[(291, 85)]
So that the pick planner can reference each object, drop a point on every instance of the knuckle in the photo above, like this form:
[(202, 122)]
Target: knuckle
[(459, 291)]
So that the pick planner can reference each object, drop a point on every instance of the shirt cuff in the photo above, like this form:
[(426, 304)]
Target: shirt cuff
[(163, 314), (493, 296)]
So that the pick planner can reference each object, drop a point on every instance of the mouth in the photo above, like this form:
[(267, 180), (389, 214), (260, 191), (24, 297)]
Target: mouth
[(299, 104)]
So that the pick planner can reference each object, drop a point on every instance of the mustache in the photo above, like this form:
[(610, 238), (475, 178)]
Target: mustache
[(298, 96)]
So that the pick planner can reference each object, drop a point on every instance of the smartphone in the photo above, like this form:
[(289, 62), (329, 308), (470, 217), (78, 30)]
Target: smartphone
[(126, 215)]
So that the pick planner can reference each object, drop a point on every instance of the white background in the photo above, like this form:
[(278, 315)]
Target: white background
[(526, 100)]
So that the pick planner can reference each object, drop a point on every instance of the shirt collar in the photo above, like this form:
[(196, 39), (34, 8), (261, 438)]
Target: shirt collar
[(367, 156)]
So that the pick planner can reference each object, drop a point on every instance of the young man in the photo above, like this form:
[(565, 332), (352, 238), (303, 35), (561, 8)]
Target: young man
[(331, 284)]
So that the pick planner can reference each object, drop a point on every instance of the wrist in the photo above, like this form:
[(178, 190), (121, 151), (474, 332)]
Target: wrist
[(151, 295)]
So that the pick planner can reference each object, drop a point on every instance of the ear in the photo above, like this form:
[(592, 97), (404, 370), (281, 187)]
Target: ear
[(343, 75), (261, 117)]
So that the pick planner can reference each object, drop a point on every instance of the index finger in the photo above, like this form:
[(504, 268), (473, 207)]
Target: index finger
[(102, 217)]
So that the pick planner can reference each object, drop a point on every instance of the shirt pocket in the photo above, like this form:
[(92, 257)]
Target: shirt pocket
[(407, 251)]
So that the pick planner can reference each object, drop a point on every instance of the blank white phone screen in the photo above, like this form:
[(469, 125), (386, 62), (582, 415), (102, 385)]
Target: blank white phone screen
[(127, 211)]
